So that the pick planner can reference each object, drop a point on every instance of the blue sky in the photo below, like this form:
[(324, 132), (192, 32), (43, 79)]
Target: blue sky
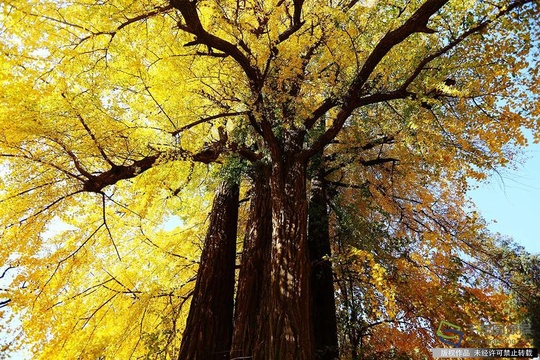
[(513, 201)]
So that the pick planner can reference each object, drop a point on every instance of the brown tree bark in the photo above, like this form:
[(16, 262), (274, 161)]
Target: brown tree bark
[(287, 335), (209, 326), (323, 310), (254, 274)]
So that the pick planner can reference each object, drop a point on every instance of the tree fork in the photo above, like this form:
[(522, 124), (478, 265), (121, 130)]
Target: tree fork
[(209, 326)]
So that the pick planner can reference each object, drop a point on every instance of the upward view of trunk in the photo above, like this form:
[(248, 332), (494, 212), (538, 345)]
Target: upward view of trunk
[(208, 331), (287, 335), (323, 311), (254, 275)]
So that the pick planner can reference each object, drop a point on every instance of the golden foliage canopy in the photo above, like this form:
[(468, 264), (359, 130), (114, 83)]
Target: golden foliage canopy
[(117, 117)]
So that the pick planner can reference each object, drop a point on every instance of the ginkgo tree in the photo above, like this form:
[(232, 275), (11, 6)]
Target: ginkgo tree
[(176, 141)]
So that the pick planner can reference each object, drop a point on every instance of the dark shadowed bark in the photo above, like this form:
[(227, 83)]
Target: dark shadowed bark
[(323, 311), (209, 326), (254, 275), (287, 335)]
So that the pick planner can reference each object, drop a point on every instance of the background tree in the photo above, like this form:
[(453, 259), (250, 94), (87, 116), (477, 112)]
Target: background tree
[(516, 270), (120, 119)]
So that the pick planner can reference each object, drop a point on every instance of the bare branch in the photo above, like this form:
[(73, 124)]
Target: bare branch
[(320, 112), (32, 189), (6, 270), (104, 216), (387, 139), (152, 243), (140, 333), (92, 136), (158, 104), (31, 157), (77, 163), (88, 318), (208, 154), (157, 11), (129, 21), (208, 119), (49, 206), (59, 264), (245, 152), (348, 186)]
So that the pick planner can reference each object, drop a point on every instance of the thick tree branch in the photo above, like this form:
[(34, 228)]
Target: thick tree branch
[(363, 186), (416, 23), (353, 100), (245, 152), (458, 40), (193, 25), (387, 139), (296, 24), (377, 161), (320, 112), (117, 173), (209, 154), (344, 114)]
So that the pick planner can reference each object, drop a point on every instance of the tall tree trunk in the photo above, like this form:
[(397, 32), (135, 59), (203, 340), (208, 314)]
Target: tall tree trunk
[(208, 331), (287, 335), (254, 275), (323, 311)]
